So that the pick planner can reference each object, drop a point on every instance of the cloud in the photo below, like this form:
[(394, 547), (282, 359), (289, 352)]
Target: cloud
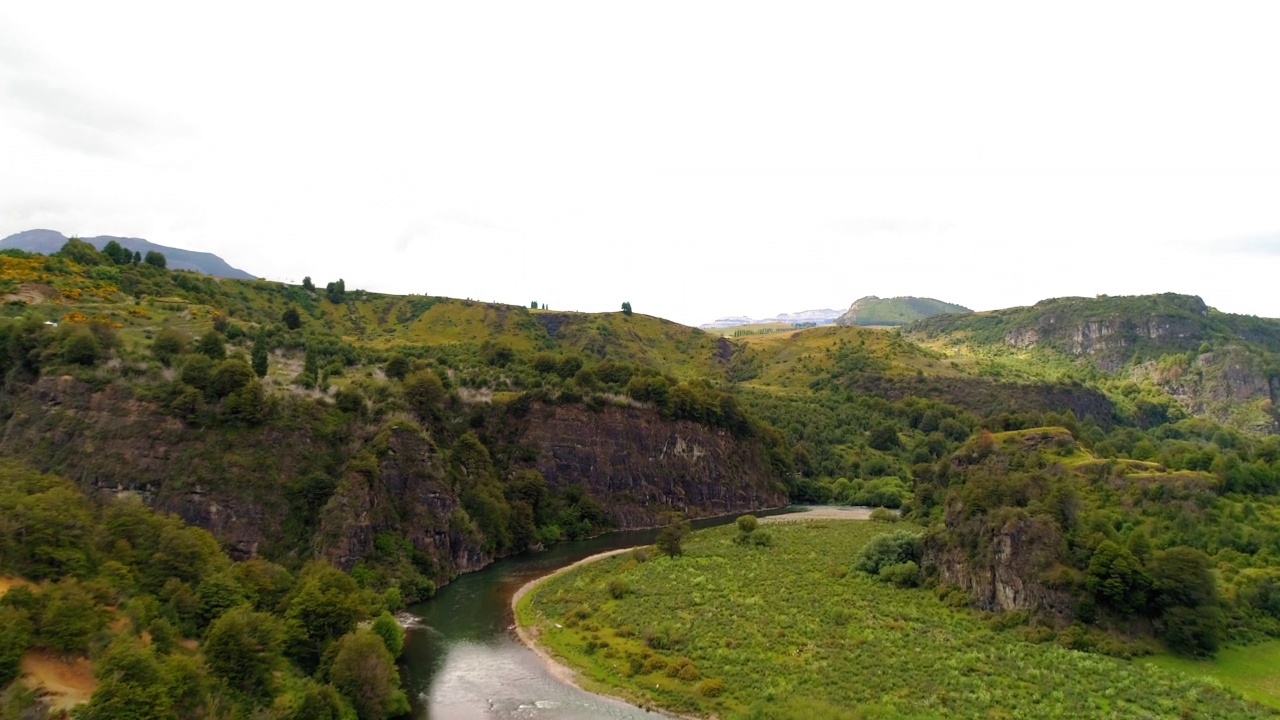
[(57, 108), (1254, 245), (859, 227)]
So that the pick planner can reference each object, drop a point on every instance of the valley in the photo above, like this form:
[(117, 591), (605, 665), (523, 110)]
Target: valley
[(1092, 480)]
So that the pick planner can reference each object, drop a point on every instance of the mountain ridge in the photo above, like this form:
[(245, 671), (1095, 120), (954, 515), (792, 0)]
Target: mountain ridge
[(47, 242), (901, 310)]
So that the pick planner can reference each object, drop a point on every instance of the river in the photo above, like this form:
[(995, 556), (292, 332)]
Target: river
[(464, 662)]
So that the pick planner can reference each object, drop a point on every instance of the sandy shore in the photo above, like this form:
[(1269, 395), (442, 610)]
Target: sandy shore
[(823, 512)]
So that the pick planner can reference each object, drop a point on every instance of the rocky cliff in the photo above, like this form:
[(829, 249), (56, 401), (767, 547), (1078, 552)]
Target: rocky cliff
[(640, 467), (298, 487)]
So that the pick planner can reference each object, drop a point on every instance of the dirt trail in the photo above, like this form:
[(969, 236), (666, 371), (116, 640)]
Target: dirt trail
[(62, 684)]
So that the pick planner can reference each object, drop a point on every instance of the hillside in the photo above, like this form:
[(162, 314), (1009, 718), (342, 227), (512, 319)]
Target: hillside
[(872, 310), (407, 439), (47, 242), (1210, 363)]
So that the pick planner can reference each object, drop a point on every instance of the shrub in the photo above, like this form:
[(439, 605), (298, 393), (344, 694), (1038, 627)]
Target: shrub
[(81, 347), (671, 540), (711, 687), (619, 588), (169, 343), (905, 574), (884, 515), (747, 523), (388, 628), (897, 547)]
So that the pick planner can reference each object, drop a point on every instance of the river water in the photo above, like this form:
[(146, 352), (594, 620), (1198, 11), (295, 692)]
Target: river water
[(463, 661)]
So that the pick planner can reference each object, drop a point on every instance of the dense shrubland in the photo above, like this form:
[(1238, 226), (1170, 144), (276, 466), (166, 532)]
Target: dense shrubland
[(174, 627)]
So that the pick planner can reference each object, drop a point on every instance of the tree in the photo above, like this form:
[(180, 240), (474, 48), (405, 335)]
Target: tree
[(212, 345), (155, 259), (671, 539), (884, 437), (119, 254), (15, 637), (336, 291), (325, 604), (81, 252), (533, 305), (626, 308), (317, 702), (388, 628), (132, 684), (169, 343), (70, 617), (1116, 578), (397, 367), (364, 671), (308, 285), (423, 391), (244, 648), (230, 376), (81, 347), (291, 318), (895, 548), (259, 356), (248, 404), (137, 257)]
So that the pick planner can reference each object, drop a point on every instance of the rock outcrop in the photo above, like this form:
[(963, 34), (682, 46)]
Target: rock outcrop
[(640, 467)]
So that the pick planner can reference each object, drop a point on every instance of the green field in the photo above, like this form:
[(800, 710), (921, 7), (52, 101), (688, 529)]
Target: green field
[(1254, 670), (788, 630)]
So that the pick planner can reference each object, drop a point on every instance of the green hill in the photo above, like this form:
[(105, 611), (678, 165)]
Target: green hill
[(872, 310)]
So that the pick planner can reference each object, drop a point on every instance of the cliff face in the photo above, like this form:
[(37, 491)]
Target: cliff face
[(1107, 341), (1231, 384), (398, 488), (1006, 576), (110, 442), (256, 488), (640, 467)]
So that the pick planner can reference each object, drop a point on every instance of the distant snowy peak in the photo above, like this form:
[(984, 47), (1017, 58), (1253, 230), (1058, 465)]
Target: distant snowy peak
[(817, 317)]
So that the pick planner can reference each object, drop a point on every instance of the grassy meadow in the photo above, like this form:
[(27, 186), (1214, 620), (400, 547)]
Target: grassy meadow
[(789, 630)]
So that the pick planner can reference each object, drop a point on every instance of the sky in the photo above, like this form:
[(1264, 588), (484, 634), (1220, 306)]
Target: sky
[(697, 159)]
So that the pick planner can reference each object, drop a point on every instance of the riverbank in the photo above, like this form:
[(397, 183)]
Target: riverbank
[(571, 676), (784, 630), (560, 671)]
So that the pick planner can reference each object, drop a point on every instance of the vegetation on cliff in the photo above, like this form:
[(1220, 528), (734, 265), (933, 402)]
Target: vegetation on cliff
[(174, 627)]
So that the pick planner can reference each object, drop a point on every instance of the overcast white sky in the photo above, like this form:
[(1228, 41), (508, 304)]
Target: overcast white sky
[(699, 159)]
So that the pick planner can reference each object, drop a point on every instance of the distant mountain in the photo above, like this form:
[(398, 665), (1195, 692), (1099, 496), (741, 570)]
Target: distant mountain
[(817, 317), (872, 310), (47, 242)]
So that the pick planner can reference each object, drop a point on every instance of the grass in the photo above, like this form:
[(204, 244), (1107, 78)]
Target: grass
[(1252, 671), (790, 631)]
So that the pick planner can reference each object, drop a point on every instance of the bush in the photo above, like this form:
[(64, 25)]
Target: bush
[(884, 515), (423, 391), (619, 588), (747, 524), (81, 347), (895, 548), (388, 628), (711, 687), (169, 343), (905, 574), (671, 540)]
